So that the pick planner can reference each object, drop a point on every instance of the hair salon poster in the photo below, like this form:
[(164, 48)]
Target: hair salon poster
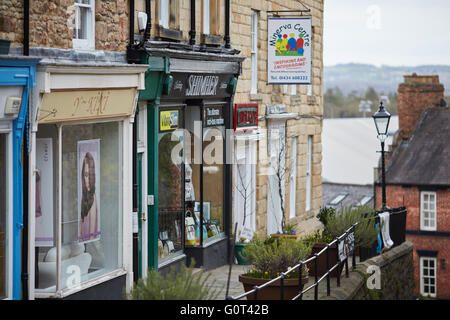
[(88, 155), (289, 50), (44, 193)]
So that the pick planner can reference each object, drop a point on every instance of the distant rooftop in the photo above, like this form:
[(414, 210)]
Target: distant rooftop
[(349, 149)]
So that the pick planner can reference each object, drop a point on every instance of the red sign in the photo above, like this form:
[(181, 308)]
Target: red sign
[(245, 116)]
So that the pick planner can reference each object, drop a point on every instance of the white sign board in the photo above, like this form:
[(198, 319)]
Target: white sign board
[(346, 246), (289, 50), (44, 192)]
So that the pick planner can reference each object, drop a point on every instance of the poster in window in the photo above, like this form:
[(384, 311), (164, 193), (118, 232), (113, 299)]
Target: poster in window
[(289, 50), (88, 155), (44, 193)]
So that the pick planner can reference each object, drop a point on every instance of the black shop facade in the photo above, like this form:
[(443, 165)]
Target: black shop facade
[(184, 120)]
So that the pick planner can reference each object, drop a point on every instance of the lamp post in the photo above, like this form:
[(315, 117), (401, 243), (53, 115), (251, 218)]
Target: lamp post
[(381, 119)]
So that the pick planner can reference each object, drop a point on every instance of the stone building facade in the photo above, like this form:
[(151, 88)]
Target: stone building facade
[(52, 24), (305, 100)]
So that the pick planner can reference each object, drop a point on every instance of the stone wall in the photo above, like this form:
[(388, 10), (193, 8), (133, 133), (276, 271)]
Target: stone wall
[(396, 277), (51, 23), (309, 107)]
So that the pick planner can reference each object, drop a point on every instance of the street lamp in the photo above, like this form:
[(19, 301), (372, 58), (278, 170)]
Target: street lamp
[(381, 119)]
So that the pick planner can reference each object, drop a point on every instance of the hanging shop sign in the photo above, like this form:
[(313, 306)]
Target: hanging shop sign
[(168, 120), (289, 50), (86, 104), (213, 116), (199, 85), (245, 116)]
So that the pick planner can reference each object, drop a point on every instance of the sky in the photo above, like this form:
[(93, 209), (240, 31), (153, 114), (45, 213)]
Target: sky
[(387, 32)]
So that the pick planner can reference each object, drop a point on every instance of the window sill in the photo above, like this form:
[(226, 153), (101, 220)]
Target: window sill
[(211, 39), (170, 34), (175, 258), (85, 285)]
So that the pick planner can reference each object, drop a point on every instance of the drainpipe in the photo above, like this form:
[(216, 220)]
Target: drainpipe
[(148, 26), (227, 24), (24, 245), (192, 31), (26, 27)]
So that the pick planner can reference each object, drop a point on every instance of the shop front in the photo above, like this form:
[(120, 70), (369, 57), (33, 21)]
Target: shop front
[(81, 199), (185, 120), (17, 77)]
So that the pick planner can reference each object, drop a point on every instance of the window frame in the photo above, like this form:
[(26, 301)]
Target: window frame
[(428, 210), (421, 271), (89, 43), (309, 151), (124, 152), (9, 212), (254, 52), (165, 27)]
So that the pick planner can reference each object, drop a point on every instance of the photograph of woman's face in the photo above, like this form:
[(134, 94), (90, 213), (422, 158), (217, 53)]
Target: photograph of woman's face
[(88, 184), (89, 167)]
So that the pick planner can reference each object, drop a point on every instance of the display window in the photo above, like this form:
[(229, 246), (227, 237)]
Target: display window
[(3, 217), (204, 206), (78, 203), (170, 183)]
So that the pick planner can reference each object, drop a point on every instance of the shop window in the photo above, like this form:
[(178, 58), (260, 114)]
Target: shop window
[(204, 186), (428, 211), (428, 276), (170, 185), (168, 12), (79, 202), (84, 25), (3, 218)]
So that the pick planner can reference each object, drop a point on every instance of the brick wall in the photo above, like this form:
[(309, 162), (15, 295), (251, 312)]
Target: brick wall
[(310, 108), (410, 198), (51, 23), (416, 94)]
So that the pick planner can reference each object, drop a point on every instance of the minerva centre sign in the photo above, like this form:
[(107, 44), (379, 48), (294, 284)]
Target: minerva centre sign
[(289, 50)]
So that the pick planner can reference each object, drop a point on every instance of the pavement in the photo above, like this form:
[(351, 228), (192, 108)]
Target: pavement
[(219, 277)]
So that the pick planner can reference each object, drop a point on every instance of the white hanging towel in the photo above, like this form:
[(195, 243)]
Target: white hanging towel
[(384, 219)]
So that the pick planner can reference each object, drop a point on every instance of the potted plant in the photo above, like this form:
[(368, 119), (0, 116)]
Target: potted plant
[(366, 232), (318, 241), (335, 224), (238, 248), (269, 258), (288, 232)]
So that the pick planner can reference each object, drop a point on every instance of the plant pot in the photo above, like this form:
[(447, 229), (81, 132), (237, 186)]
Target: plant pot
[(272, 292), (281, 235), (322, 260), (4, 46), (238, 247)]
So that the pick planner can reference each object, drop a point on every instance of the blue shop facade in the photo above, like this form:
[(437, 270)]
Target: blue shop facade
[(17, 78)]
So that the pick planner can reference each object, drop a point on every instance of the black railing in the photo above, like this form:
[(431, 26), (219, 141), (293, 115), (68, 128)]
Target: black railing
[(397, 230)]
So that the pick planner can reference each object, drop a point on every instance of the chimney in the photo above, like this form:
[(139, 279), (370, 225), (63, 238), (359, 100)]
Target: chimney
[(416, 94)]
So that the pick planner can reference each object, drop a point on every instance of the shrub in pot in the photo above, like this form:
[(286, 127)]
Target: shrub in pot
[(271, 257)]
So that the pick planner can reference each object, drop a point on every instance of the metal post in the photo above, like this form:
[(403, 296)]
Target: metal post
[(316, 288), (338, 278), (282, 287), (383, 179), (328, 271), (300, 286), (255, 295)]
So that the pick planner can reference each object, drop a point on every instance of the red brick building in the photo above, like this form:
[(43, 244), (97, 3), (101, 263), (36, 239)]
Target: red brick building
[(418, 177)]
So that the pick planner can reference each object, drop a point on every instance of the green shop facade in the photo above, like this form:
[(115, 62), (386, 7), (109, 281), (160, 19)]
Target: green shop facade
[(183, 178)]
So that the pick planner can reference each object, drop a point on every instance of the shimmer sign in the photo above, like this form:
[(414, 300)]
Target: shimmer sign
[(289, 51)]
